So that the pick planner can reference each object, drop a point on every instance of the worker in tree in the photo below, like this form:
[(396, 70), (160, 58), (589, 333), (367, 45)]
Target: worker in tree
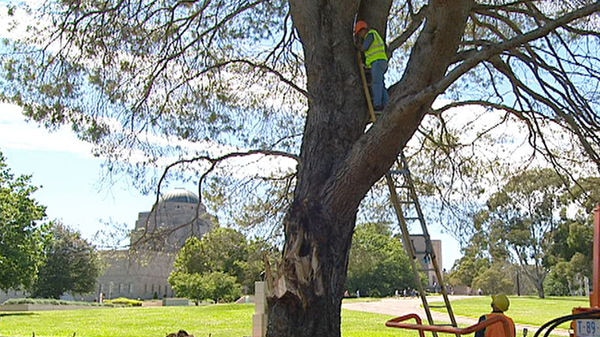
[(376, 59), (500, 304)]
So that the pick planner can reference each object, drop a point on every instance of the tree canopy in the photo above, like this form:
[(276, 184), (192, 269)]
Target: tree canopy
[(221, 265), (71, 264), (536, 223), (225, 79), (378, 266), (22, 233)]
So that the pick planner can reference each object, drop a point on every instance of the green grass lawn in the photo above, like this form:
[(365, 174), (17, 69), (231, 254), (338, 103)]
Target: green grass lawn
[(235, 320), (222, 320), (524, 309), (217, 320)]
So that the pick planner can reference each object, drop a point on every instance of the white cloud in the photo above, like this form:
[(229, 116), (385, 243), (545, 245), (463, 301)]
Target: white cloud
[(19, 134), (15, 26)]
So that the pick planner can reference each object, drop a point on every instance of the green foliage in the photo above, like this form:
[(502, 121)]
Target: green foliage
[(378, 263), (472, 263), (222, 249), (557, 281), (71, 265), (522, 218), (494, 280), (526, 223), (21, 233), (189, 285), (218, 266), (586, 192), (123, 301), (46, 301), (222, 287)]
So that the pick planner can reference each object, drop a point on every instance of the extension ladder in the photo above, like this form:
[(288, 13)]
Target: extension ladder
[(402, 192), (409, 213)]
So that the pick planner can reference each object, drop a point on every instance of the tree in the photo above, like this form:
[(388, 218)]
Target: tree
[(468, 267), (184, 70), (72, 264), (259, 253), (199, 287), (222, 251), (494, 280), (523, 216), (378, 263), (22, 232), (190, 285), (557, 281)]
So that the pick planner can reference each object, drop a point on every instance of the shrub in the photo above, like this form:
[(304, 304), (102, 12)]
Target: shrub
[(127, 302), (47, 301)]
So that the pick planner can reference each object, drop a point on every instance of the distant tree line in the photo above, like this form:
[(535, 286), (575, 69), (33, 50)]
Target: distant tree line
[(533, 236), (379, 265), (45, 258)]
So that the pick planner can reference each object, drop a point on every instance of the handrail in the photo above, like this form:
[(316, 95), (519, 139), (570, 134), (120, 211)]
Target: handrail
[(397, 323), (392, 322)]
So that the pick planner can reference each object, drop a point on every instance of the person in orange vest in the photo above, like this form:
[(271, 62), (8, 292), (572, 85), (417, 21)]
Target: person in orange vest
[(500, 304), (376, 58)]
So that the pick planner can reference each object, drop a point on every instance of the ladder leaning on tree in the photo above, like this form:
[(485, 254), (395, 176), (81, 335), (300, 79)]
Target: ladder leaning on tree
[(408, 210)]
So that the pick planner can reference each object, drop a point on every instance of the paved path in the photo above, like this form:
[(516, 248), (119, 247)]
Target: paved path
[(401, 306)]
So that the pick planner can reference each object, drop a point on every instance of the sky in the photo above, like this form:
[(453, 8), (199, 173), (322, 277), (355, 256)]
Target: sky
[(69, 177), (71, 180)]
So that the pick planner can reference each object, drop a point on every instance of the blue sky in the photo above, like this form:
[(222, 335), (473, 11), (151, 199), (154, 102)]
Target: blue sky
[(70, 177)]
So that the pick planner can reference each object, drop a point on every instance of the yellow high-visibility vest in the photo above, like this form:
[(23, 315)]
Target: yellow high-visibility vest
[(377, 49)]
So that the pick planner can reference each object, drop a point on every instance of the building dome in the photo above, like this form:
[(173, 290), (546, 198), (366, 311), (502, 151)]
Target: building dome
[(180, 195)]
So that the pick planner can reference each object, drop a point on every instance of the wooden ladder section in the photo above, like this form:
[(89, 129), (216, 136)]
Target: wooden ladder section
[(408, 210), (417, 244)]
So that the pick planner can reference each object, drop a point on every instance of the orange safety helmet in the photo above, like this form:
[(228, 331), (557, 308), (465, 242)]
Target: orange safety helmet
[(360, 25)]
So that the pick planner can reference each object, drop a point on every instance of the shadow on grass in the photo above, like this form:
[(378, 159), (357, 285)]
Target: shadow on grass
[(553, 298), (17, 314)]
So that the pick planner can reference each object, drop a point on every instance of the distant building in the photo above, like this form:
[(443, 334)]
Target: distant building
[(158, 235), (425, 260), (143, 271)]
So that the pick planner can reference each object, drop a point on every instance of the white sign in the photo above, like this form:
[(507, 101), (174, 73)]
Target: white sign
[(587, 328)]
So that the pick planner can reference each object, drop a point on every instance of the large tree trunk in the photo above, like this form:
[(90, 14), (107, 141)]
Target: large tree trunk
[(339, 162)]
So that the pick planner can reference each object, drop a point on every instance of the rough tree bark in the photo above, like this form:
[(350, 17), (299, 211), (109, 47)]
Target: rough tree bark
[(339, 160)]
